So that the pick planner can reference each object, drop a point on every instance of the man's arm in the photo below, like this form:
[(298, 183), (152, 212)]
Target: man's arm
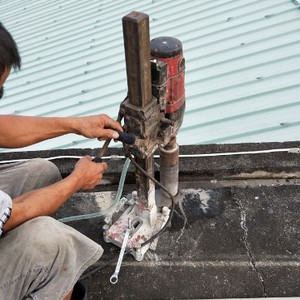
[(47, 200), (21, 131)]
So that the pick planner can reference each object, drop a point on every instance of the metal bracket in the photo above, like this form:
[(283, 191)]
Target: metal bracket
[(145, 222)]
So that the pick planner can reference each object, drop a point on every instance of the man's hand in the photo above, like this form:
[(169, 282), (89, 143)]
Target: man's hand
[(88, 173), (45, 201), (99, 126)]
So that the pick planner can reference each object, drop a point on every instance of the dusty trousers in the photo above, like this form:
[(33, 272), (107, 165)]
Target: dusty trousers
[(41, 258)]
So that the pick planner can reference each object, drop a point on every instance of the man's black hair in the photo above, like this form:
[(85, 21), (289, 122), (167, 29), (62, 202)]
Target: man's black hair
[(9, 53)]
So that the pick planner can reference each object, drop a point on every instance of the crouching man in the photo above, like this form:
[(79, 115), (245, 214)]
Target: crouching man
[(41, 258)]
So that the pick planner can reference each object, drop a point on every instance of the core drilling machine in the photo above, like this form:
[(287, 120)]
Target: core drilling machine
[(153, 112)]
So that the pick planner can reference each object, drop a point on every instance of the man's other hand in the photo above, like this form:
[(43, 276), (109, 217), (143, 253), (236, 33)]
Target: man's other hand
[(88, 173)]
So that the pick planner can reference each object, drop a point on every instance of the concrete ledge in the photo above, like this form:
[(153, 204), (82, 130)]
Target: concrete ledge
[(274, 164)]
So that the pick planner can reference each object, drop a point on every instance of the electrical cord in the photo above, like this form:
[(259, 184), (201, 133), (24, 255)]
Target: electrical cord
[(295, 150)]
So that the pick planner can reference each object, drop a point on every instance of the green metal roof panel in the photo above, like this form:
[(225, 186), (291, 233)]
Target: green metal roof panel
[(242, 59)]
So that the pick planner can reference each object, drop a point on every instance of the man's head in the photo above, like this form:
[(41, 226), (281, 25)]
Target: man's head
[(9, 56)]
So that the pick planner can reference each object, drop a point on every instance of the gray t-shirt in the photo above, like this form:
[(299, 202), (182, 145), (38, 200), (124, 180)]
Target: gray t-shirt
[(5, 209)]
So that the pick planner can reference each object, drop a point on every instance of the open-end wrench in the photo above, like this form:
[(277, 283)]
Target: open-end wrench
[(114, 277)]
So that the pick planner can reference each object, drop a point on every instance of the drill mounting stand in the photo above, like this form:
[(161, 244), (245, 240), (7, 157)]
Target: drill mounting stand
[(153, 112)]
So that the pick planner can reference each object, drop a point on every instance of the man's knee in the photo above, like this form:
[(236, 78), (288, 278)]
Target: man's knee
[(64, 252), (19, 178), (46, 167), (48, 171), (45, 239), (48, 260)]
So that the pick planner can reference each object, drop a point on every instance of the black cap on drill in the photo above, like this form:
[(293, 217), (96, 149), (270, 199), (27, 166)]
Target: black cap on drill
[(165, 47)]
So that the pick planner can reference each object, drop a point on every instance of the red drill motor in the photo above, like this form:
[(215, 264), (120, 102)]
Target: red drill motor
[(168, 67)]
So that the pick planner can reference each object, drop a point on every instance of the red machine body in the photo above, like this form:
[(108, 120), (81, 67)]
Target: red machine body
[(169, 50)]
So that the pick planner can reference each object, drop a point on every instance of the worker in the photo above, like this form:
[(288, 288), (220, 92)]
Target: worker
[(40, 257)]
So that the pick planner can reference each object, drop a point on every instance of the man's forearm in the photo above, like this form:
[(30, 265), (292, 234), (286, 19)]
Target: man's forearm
[(41, 202), (21, 131)]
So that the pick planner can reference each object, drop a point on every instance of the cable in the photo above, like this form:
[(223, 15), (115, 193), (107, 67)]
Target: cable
[(295, 150), (290, 150)]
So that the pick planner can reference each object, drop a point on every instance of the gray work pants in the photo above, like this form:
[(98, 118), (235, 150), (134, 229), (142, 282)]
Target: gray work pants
[(42, 258)]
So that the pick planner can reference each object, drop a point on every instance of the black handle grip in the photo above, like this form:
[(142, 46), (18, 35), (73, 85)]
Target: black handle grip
[(126, 138)]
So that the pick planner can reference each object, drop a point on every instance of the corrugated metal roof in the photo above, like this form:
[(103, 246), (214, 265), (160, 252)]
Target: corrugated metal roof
[(242, 57)]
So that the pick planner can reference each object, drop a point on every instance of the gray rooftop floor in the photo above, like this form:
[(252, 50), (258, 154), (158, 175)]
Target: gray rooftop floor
[(242, 242), (241, 238)]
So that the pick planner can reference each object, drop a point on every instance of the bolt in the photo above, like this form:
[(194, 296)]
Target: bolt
[(165, 211), (105, 229), (135, 195)]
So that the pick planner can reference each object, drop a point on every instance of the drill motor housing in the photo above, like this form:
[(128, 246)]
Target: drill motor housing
[(158, 122)]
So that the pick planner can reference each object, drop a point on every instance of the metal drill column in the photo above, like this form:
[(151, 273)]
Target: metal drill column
[(137, 53), (138, 68)]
